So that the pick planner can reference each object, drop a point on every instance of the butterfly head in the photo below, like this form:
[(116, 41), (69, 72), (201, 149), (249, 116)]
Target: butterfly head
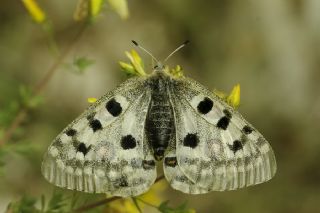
[(158, 67)]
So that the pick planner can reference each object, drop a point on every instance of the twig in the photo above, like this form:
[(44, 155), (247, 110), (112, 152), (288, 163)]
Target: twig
[(44, 81), (105, 201), (96, 204), (22, 113), (134, 200)]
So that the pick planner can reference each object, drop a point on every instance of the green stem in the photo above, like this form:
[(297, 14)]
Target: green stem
[(134, 200), (22, 113)]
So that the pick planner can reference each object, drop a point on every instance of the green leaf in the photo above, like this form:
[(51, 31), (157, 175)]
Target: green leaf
[(74, 200), (82, 63), (28, 99), (24, 205), (7, 113), (77, 200), (56, 203), (2, 164)]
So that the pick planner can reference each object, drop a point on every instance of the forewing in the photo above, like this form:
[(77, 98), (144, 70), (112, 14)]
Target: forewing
[(215, 147), (104, 150)]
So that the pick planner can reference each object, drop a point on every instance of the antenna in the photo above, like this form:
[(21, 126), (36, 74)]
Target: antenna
[(176, 50), (136, 43)]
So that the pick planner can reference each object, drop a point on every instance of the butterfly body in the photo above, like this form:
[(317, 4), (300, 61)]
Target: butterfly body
[(114, 145), (160, 118)]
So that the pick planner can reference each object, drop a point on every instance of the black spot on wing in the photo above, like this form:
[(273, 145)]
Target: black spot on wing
[(90, 117), (128, 142), (75, 143), (148, 164), (114, 107), (227, 113), (122, 182), (191, 140), (170, 161), (95, 125), (83, 148), (205, 105), (224, 121), (247, 130), (71, 132), (237, 145)]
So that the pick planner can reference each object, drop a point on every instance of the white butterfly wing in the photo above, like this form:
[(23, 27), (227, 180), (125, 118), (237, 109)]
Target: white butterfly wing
[(176, 178), (105, 150), (216, 149)]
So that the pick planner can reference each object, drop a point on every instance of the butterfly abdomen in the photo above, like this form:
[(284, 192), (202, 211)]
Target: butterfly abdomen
[(160, 120)]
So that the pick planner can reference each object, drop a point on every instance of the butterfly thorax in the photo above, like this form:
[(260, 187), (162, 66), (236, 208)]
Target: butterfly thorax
[(160, 120)]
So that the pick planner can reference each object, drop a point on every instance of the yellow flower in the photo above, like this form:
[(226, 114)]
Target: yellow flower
[(127, 67), (81, 12), (87, 9), (122, 206), (121, 7), (34, 10), (136, 64), (151, 197), (234, 98), (91, 100), (177, 71), (95, 7)]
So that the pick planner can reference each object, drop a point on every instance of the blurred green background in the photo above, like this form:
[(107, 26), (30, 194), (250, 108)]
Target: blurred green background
[(270, 47)]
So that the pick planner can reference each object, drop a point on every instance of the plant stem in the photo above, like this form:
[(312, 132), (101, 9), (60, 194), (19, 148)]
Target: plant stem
[(134, 200), (96, 204), (44, 81), (105, 201), (22, 113)]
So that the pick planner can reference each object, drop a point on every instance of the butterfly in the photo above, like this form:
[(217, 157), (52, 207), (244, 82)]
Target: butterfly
[(203, 143)]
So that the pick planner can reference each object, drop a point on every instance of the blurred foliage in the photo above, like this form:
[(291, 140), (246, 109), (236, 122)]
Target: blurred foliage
[(164, 208), (28, 99), (121, 7), (79, 65), (57, 203), (26, 204), (60, 203), (270, 47)]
